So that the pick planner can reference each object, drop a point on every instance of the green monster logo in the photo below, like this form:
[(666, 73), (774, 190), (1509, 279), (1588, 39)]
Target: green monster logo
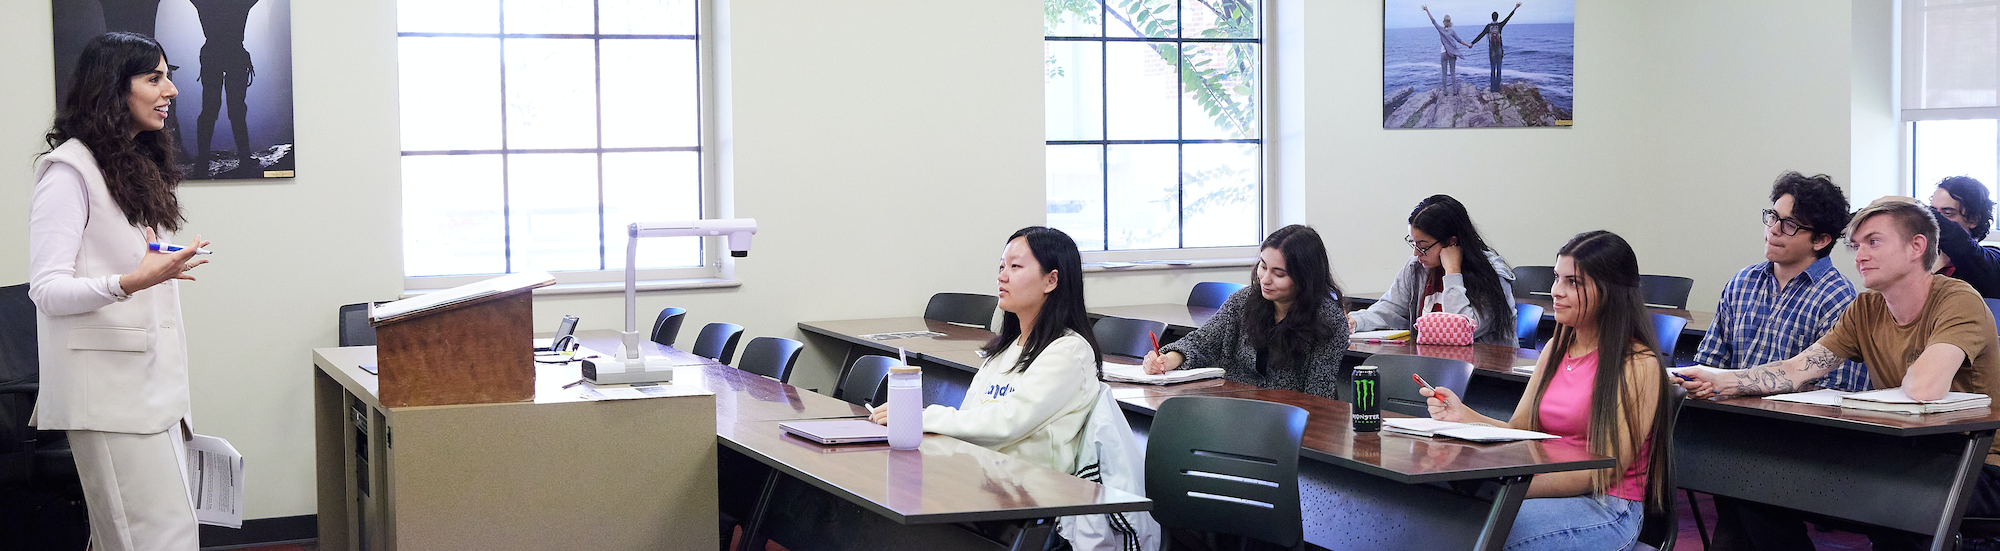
[(1364, 393)]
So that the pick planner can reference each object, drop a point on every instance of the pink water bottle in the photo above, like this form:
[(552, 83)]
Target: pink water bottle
[(906, 407)]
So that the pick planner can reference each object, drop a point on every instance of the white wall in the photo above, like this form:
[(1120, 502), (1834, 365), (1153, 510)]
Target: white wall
[(888, 146)]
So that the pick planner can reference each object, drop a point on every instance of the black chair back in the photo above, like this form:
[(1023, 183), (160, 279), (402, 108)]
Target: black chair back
[(41, 497), (354, 327), (1227, 465), (1127, 336), (1399, 392), (1993, 304), (1527, 324), (20, 354), (1668, 329), (717, 341), (867, 381), (1665, 291), (963, 308), (771, 357), (1659, 529), (1211, 294), (667, 327), (1533, 281)]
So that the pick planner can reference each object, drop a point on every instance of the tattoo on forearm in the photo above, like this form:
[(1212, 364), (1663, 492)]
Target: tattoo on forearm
[(1818, 362), (1764, 379)]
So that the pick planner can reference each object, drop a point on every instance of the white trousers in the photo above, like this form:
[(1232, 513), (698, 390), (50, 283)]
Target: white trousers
[(135, 486)]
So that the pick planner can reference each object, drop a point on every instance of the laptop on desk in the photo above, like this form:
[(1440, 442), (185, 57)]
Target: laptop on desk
[(837, 431)]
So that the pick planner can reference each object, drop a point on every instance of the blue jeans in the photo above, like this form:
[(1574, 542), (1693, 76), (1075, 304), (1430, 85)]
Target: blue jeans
[(1580, 523)]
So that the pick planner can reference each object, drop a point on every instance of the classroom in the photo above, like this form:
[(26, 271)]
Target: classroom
[(886, 149)]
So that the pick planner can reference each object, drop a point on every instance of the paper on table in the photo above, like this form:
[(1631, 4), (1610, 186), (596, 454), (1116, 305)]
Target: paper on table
[(1899, 396), (1482, 433), (215, 481), (1137, 374), (1379, 334), (592, 391), (1419, 425), (1824, 397)]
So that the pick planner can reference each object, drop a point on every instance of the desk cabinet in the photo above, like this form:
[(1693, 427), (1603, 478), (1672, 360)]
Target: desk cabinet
[(629, 474)]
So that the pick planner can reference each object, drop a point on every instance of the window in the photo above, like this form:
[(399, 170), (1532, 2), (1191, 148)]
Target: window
[(1943, 148), (534, 131), (1951, 91), (1154, 120)]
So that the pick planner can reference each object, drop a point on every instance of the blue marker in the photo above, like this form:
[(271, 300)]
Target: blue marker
[(170, 248)]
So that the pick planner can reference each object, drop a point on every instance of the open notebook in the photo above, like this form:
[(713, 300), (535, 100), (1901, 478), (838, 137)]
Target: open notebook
[(1896, 401), (1136, 374), (1461, 431)]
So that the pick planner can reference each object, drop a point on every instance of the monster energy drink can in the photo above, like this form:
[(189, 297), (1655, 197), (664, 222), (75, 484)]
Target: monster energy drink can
[(1367, 399)]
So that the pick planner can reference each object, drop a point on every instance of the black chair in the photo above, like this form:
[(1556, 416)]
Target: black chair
[(667, 327), (963, 308), (1399, 393), (717, 341), (1669, 334), (41, 498), (1127, 336), (1527, 324), (771, 357), (1533, 281), (1227, 466), (1665, 291), (866, 382), (1211, 294), (1993, 304), (1659, 529), (354, 327)]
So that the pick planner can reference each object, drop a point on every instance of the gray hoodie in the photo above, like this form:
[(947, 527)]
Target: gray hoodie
[(1393, 310)]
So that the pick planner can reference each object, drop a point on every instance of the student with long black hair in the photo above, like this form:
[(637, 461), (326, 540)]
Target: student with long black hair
[(1287, 331), (1452, 271), (1600, 386), (1034, 393), (114, 370)]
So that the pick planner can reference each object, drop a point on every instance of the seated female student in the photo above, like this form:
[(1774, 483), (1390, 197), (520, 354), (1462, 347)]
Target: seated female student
[(1599, 386), (1285, 332), (1453, 271), (1034, 393), (1964, 216)]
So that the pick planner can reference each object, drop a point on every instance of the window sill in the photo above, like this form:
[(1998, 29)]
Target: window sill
[(1152, 265), (617, 287)]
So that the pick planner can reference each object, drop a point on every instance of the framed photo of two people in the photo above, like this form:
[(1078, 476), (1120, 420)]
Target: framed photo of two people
[(232, 64), (1477, 63)]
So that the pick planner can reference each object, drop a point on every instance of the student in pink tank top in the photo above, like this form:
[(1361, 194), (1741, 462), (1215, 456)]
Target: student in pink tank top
[(1600, 387)]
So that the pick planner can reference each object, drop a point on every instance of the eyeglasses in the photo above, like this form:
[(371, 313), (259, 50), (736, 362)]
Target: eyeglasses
[(1791, 225), (1420, 248)]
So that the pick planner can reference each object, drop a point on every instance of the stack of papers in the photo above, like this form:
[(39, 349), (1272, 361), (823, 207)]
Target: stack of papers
[(1894, 400), (1824, 397), (1381, 334), (1121, 373), (1476, 432)]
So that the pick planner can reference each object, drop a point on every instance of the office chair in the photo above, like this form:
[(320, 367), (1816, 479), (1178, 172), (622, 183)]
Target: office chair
[(1669, 334), (771, 357), (667, 327), (1659, 529), (354, 327), (41, 498), (866, 382), (1127, 336), (963, 308), (1665, 291), (1399, 393), (1527, 324), (1533, 281), (717, 341), (1253, 445), (1211, 294)]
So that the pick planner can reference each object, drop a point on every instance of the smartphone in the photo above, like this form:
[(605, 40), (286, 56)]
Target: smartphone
[(567, 327)]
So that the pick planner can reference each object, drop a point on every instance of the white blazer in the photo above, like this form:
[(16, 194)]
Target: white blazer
[(121, 367)]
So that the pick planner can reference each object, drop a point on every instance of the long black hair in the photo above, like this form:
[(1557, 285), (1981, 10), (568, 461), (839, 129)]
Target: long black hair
[(1290, 342), (1062, 310), (1446, 220), (1624, 332), (140, 172)]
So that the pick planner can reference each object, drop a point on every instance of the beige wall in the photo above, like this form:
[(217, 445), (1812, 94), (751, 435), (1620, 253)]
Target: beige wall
[(887, 147)]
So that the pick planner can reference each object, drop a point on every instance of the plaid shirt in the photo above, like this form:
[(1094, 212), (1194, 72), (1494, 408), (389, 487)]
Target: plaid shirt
[(1756, 323)]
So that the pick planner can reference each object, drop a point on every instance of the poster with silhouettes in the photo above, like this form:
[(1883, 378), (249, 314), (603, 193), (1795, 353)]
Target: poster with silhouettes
[(1477, 63), (232, 64)]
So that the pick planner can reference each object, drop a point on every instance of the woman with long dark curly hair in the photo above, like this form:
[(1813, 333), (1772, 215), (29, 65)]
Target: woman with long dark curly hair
[(113, 352), (1453, 270)]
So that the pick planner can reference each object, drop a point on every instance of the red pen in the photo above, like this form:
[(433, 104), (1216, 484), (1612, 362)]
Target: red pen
[(1156, 341), (1420, 380)]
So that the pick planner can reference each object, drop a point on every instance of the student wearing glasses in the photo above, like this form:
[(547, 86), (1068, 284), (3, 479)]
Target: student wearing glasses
[(1287, 331), (1922, 332), (1964, 215), (1774, 309), (1452, 271)]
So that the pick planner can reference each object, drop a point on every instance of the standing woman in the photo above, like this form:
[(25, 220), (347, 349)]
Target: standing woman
[(1453, 271), (1606, 394), (1033, 394), (1286, 332), (113, 354)]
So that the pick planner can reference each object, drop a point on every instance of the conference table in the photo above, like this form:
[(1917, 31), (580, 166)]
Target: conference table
[(886, 499), (1358, 490)]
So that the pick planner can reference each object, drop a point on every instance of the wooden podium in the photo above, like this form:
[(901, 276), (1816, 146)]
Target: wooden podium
[(471, 349)]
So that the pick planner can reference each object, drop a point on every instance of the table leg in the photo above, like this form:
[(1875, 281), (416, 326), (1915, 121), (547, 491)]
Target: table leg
[(1500, 519), (1035, 535), (753, 530), (1969, 462)]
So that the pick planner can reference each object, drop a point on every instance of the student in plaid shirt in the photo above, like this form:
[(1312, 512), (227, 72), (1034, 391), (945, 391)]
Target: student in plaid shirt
[(1774, 310)]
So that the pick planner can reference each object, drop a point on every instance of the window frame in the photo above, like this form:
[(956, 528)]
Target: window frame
[(1267, 169), (716, 269)]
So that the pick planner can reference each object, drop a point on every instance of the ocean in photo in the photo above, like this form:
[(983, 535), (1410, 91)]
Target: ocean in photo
[(1541, 54)]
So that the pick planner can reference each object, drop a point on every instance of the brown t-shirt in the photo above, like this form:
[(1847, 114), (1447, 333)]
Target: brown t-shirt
[(1953, 314)]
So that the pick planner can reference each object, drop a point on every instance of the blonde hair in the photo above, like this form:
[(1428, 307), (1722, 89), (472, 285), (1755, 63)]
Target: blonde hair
[(1912, 219)]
